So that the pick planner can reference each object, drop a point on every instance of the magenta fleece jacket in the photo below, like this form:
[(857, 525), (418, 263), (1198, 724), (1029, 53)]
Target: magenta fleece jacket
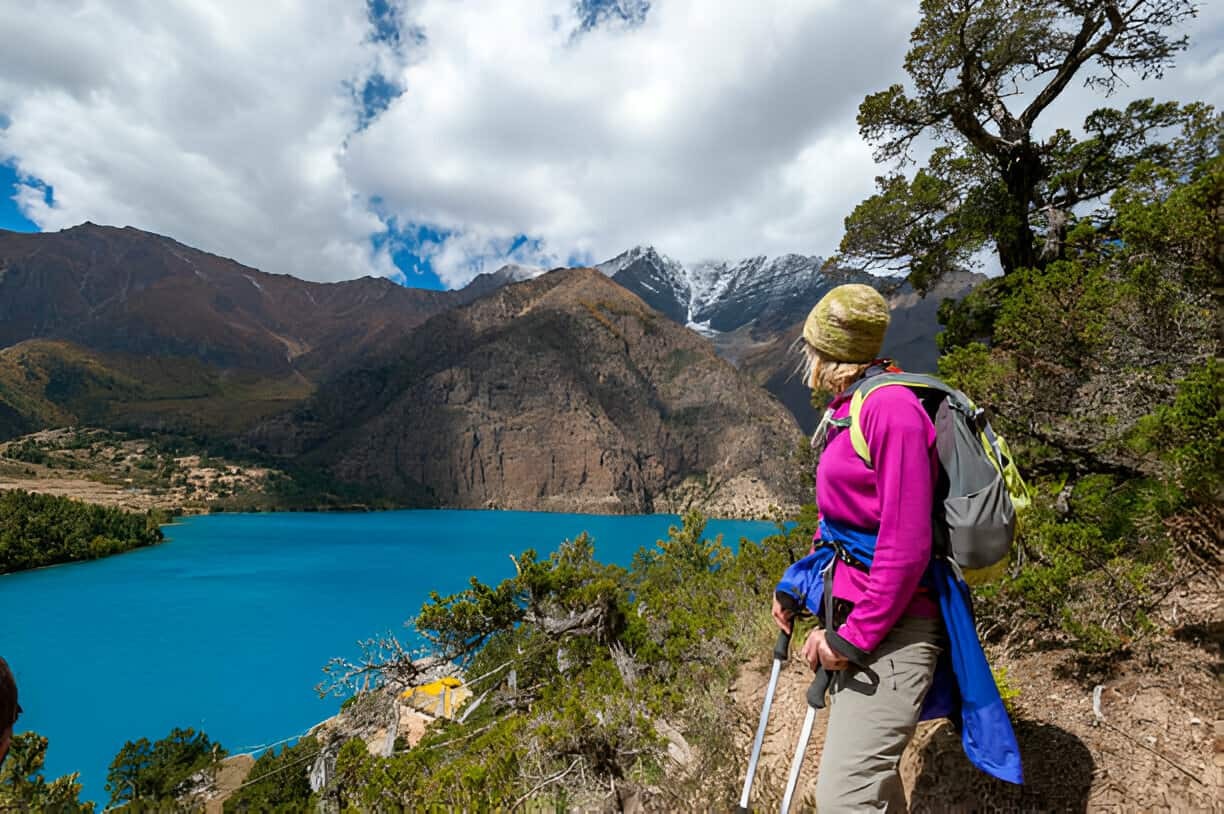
[(893, 497)]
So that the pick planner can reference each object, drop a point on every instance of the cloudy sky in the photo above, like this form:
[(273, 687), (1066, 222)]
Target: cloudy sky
[(428, 140)]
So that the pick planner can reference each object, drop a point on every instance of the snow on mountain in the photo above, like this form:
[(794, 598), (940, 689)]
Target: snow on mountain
[(490, 281), (717, 296), (517, 273), (661, 282)]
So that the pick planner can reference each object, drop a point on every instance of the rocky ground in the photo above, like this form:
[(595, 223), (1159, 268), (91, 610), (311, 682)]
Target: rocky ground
[(1153, 741), (740, 497)]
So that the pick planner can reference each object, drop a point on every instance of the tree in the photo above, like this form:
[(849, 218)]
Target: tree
[(156, 773), (991, 179), (279, 781), (37, 530), (23, 788), (1104, 373)]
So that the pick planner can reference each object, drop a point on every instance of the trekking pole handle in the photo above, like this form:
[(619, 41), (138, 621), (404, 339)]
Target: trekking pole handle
[(782, 646), (791, 606), (818, 688)]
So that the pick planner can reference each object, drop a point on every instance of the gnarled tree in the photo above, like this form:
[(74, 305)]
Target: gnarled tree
[(983, 72)]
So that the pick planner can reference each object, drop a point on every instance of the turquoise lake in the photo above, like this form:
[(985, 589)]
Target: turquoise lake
[(225, 628)]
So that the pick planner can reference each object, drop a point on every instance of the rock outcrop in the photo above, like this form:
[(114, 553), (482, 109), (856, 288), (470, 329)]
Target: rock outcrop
[(562, 393)]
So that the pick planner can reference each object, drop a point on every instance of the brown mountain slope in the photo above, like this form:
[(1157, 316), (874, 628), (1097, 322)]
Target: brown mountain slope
[(131, 292), (564, 393), (54, 383)]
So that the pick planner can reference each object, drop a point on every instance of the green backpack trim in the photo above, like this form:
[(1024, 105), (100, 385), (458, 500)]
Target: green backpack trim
[(914, 381)]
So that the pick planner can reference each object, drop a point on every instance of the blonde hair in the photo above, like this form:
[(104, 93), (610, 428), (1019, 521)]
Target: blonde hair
[(823, 374)]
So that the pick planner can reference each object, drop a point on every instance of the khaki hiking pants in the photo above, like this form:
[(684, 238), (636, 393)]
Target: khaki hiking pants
[(872, 716)]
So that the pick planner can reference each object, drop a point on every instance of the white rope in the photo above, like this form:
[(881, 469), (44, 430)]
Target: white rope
[(251, 750)]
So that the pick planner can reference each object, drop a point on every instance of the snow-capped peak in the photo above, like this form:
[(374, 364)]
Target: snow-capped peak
[(717, 295), (516, 273), (625, 259)]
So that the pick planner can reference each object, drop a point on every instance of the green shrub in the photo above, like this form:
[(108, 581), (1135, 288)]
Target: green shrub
[(23, 787), (279, 781), (153, 774)]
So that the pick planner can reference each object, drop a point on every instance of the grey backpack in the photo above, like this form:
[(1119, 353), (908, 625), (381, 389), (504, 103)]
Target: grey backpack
[(979, 490)]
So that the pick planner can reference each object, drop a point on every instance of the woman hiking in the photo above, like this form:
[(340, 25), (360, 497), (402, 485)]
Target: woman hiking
[(886, 603)]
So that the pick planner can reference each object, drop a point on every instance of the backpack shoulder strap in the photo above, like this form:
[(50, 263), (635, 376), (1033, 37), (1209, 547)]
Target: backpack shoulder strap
[(865, 387)]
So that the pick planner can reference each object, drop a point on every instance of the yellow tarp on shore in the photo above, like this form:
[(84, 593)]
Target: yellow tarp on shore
[(438, 698)]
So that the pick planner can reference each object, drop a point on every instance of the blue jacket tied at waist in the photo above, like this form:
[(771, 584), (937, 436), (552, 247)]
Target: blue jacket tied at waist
[(964, 686)]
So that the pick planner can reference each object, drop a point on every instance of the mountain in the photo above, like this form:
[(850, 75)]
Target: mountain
[(490, 281), (752, 310), (716, 297), (767, 294), (741, 304), (132, 292), (565, 393), (572, 389), (659, 281), (124, 328)]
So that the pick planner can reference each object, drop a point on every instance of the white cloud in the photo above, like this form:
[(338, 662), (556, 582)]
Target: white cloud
[(219, 124), (697, 132), (710, 130)]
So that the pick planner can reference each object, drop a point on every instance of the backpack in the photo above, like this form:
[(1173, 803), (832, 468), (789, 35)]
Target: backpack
[(980, 489)]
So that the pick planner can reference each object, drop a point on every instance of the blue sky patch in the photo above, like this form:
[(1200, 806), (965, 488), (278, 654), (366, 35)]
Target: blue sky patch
[(385, 19), (377, 95), (10, 215), (405, 246), (594, 13)]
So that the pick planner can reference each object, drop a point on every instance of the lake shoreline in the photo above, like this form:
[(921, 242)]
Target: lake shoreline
[(176, 636), (111, 495)]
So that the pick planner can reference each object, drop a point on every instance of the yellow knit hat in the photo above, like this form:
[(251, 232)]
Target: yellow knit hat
[(848, 323)]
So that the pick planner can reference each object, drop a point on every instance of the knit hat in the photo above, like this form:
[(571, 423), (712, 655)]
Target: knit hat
[(848, 323)]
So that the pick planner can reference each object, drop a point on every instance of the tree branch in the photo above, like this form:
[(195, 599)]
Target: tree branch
[(1078, 54)]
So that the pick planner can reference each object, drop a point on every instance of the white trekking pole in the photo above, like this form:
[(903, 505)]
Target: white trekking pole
[(781, 649), (816, 700)]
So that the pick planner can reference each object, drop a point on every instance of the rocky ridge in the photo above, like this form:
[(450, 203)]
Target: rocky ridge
[(126, 291), (718, 296), (562, 393)]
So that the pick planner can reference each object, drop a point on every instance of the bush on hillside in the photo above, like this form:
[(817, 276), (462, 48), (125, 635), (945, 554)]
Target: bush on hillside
[(1103, 373), (23, 787), (154, 775), (279, 780), (609, 667)]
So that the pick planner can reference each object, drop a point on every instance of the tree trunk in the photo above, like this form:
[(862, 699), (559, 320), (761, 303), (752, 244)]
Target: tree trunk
[(1022, 171)]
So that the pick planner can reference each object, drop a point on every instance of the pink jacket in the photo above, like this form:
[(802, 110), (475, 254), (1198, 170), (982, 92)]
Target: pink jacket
[(894, 498)]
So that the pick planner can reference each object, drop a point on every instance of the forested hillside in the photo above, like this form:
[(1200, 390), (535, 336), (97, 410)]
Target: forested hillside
[(38, 530)]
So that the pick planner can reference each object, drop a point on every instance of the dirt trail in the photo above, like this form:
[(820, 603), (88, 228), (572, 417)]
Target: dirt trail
[(785, 723), (1158, 745), (230, 777)]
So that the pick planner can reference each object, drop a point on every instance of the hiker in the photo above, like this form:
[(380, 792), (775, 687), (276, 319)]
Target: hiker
[(899, 642), (9, 708), (883, 620)]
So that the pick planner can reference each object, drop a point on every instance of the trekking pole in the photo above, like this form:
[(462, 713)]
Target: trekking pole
[(781, 650), (816, 700)]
